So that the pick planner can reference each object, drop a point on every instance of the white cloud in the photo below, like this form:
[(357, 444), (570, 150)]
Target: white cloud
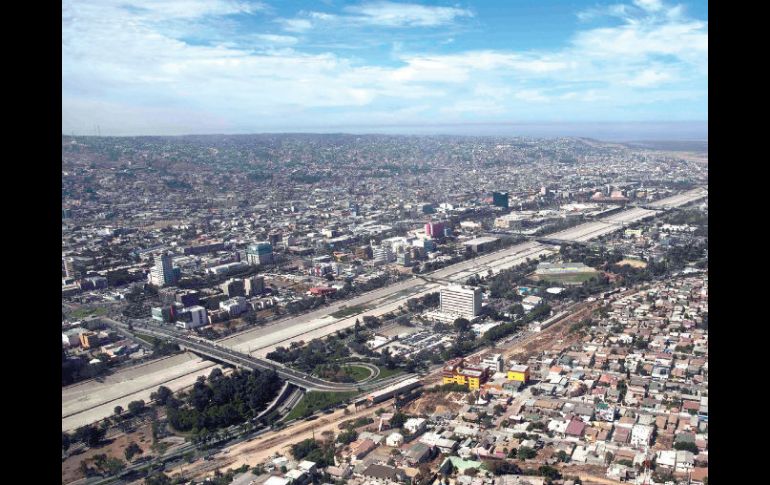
[(649, 5), (406, 14), (531, 95), (378, 14), (649, 78), (135, 75), (278, 39), (296, 25)]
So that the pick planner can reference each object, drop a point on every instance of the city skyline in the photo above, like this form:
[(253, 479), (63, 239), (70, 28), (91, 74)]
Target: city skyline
[(190, 67)]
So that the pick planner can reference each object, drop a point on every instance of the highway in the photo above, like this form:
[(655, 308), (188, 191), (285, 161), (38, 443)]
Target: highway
[(226, 354), (260, 341)]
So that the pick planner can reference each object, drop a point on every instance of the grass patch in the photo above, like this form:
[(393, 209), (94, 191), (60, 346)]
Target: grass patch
[(342, 372), (315, 400), (87, 312), (358, 373), (566, 279), (346, 312), (385, 372), (148, 338)]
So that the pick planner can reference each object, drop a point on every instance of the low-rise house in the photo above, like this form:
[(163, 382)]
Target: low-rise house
[(360, 448), (385, 474)]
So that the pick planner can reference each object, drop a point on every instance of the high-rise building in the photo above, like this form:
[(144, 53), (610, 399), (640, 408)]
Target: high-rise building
[(254, 285), (500, 199), (233, 287), (163, 274), (463, 301), (382, 255), (259, 253), (434, 229)]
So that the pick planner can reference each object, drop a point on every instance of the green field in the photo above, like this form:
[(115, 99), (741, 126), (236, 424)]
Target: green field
[(569, 278), (87, 312), (346, 312), (357, 372), (148, 338), (315, 400), (385, 372)]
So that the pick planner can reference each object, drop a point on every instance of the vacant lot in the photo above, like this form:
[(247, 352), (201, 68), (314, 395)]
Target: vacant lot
[(634, 263), (112, 447)]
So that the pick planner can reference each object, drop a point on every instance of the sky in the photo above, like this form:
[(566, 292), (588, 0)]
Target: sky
[(172, 67)]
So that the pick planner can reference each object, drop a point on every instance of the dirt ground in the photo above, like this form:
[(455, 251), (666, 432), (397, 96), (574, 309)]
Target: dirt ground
[(260, 449), (634, 263), (142, 436), (435, 403)]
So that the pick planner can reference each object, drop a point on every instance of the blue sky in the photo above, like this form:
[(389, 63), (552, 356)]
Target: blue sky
[(170, 67)]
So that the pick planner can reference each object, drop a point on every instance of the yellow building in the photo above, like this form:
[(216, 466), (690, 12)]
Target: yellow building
[(455, 373), (519, 373)]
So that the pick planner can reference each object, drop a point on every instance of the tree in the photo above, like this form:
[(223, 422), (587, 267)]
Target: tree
[(118, 410), (131, 450), (90, 435), (562, 456), (525, 453), (159, 478), (549, 472), (502, 467), (163, 393), (136, 407), (65, 441), (462, 325), (398, 420), (687, 446)]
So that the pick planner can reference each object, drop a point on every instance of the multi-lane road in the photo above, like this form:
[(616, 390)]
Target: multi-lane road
[(95, 400), (226, 354)]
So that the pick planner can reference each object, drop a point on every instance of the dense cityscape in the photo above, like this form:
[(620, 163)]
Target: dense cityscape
[(286, 309)]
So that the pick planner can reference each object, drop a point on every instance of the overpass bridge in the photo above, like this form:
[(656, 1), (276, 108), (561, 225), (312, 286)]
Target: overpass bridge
[(213, 350)]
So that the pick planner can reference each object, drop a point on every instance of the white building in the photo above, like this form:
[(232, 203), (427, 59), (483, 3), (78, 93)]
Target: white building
[(394, 440), (530, 302), (463, 301), (415, 425), (382, 254), (162, 274), (71, 337), (234, 306), (192, 317), (641, 434), (494, 362)]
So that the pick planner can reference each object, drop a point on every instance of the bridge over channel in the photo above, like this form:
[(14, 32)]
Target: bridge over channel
[(213, 350)]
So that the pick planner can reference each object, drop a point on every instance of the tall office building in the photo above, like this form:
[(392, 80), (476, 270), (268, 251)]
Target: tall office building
[(163, 274), (254, 285), (233, 287), (259, 253), (463, 301), (382, 255), (434, 229)]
